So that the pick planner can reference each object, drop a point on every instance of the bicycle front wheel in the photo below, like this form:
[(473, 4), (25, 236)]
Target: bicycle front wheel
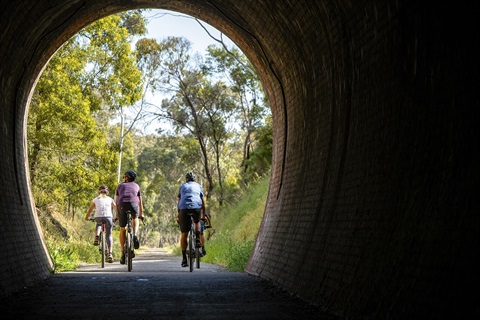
[(129, 255)]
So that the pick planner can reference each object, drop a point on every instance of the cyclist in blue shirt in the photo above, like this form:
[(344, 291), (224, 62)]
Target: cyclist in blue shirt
[(190, 199)]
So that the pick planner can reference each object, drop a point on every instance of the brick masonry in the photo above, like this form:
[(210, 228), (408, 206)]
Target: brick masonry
[(373, 204)]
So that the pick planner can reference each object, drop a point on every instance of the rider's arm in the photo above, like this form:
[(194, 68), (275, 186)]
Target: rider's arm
[(115, 211), (89, 210), (203, 208), (140, 207)]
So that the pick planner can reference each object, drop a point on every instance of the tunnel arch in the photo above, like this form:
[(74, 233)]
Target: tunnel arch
[(372, 209)]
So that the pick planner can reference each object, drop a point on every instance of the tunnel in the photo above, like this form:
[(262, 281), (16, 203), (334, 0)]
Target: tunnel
[(373, 205)]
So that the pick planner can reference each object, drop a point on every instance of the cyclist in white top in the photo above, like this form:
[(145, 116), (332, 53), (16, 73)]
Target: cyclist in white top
[(104, 208)]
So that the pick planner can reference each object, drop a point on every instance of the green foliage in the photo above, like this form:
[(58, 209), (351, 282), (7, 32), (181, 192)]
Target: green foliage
[(113, 78), (64, 257), (235, 229), (250, 101), (134, 22), (260, 159)]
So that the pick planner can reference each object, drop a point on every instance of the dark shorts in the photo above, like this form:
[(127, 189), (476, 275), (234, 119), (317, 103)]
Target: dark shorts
[(108, 224), (184, 218), (123, 209)]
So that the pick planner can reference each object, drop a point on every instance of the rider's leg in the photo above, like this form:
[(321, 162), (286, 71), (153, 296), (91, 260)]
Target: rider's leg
[(183, 245), (135, 226), (202, 238), (98, 229), (198, 230), (122, 237), (108, 234), (183, 241), (184, 225), (136, 243), (202, 227)]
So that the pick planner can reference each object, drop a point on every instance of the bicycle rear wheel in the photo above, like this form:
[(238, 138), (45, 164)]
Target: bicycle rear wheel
[(103, 247), (197, 256), (129, 255), (191, 249)]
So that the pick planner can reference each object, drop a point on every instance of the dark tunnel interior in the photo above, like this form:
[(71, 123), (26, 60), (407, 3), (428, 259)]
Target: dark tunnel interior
[(373, 205)]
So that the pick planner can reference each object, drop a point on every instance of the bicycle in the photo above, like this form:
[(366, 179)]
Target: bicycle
[(102, 245), (193, 252), (128, 248)]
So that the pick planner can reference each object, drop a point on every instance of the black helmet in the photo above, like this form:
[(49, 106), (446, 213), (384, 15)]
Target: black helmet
[(190, 176), (103, 189), (130, 174)]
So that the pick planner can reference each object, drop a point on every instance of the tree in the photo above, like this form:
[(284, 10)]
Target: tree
[(167, 65), (251, 103)]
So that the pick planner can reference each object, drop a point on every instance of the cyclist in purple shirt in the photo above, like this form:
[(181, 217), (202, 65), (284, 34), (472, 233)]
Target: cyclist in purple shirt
[(129, 198), (190, 199)]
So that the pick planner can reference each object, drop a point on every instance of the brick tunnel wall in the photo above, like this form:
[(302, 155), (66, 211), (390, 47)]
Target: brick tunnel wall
[(373, 205), (372, 209)]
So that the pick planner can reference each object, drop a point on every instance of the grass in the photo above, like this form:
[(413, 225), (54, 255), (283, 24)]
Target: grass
[(235, 229)]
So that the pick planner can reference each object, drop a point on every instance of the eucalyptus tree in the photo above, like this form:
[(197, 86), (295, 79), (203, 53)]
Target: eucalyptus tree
[(169, 69), (249, 98)]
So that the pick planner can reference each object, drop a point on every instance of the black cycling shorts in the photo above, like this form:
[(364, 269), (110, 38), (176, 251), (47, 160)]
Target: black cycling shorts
[(184, 218), (123, 209)]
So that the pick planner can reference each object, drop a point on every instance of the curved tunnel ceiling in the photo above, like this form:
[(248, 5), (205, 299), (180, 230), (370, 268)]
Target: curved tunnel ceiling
[(372, 209)]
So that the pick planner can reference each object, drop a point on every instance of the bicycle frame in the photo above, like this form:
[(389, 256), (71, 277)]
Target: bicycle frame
[(193, 251)]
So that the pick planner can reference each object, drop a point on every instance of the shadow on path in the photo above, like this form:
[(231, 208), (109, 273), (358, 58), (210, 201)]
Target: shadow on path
[(157, 288)]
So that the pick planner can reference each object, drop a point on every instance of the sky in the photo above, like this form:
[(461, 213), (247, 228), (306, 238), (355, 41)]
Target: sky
[(163, 23)]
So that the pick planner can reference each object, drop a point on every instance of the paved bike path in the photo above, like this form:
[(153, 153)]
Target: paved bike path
[(157, 288)]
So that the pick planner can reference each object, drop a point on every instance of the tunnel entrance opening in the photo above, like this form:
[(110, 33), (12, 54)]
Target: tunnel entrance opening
[(67, 118)]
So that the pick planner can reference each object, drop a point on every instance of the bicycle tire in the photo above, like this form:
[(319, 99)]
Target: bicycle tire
[(197, 256), (103, 248), (129, 252), (191, 250)]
